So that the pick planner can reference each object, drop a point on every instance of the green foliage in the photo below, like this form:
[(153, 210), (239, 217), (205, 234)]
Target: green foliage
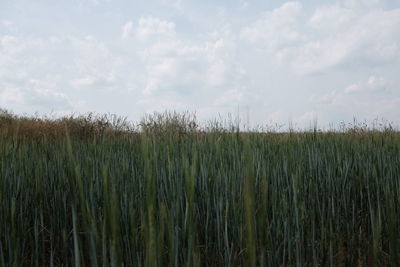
[(173, 195)]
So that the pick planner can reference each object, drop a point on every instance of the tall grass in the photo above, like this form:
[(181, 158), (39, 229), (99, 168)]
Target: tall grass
[(170, 194)]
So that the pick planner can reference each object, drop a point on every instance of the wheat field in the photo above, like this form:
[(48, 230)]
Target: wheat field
[(97, 191)]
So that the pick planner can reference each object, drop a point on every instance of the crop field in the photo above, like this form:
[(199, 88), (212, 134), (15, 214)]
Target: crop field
[(93, 191)]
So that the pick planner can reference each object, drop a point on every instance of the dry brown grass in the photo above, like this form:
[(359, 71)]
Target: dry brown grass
[(89, 126)]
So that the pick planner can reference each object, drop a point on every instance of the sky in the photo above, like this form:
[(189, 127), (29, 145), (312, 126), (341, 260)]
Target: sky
[(271, 62)]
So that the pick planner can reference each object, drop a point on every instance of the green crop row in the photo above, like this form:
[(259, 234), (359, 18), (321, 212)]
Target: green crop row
[(176, 196)]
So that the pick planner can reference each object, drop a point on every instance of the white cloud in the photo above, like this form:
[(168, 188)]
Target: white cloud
[(91, 2), (332, 18), (309, 118), (177, 4), (244, 3), (349, 37), (333, 36), (11, 96), (11, 44), (373, 84), (149, 27), (179, 66), (150, 104), (239, 96), (362, 3), (276, 29), (94, 66), (9, 25), (277, 115), (127, 30), (365, 99), (36, 73), (83, 82), (37, 96)]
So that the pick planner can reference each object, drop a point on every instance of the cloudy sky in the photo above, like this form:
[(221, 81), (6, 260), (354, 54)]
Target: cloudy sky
[(273, 61)]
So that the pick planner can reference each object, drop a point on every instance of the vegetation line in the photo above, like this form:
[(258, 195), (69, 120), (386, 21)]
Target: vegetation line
[(99, 191)]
